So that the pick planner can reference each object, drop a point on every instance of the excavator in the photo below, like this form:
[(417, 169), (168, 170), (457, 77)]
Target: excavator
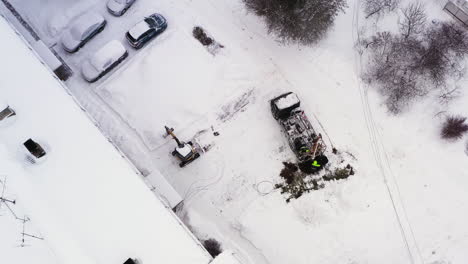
[(186, 152)]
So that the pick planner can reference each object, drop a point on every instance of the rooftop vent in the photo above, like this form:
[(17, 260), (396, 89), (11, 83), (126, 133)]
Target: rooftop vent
[(7, 112), (34, 148)]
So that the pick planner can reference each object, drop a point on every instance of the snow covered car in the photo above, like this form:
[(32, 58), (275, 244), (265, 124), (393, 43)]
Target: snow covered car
[(82, 30), (146, 30), (103, 60), (302, 138), (119, 7)]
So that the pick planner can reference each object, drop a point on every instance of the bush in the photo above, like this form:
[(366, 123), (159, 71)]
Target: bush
[(213, 247), (288, 172), (201, 36), (339, 173), (454, 127), (302, 21)]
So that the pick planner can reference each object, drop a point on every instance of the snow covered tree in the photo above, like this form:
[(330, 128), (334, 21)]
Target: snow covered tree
[(302, 21)]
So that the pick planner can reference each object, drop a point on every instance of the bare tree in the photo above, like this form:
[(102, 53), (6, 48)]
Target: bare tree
[(376, 8), (417, 61), (392, 69), (414, 20), (303, 21)]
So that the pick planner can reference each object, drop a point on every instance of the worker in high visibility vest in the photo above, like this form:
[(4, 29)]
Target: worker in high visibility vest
[(316, 164), (319, 161), (304, 149)]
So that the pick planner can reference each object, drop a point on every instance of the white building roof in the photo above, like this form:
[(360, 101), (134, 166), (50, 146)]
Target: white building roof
[(227, 257), (85, 198)]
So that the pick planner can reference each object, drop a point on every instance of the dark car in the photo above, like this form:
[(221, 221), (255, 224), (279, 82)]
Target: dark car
[(146, 30)]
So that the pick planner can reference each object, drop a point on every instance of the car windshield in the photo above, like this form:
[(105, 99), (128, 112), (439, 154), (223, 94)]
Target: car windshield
[(158, 20), (151, 22)]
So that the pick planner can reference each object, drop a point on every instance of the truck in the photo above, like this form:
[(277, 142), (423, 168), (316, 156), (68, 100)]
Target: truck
[(303, 140)]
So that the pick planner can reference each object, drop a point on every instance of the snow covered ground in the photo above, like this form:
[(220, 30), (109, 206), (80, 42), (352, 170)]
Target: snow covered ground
[(407, 202)]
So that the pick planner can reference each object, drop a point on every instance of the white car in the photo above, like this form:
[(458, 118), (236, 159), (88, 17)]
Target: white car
[(119, 7), (82, 30), (103, 60)]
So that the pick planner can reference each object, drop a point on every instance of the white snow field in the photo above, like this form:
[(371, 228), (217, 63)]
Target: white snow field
[(407, 202), (86, 199)]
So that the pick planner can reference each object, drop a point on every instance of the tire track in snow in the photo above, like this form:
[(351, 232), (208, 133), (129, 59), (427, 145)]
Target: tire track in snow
[(380, 154)]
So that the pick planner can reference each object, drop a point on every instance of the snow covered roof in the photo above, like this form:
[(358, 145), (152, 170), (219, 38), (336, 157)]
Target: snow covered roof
[(108, 53), (84, 22), (138, 30), (86, 199), (287, 101)]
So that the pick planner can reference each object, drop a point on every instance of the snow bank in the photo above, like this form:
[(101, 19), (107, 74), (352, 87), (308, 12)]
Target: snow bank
[(85, 198), (227, 257)]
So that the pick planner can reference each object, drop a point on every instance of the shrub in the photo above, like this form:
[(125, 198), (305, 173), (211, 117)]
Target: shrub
[(303, 21), (213, 247), (454, 127), (201, 36), (288, 172), (339, 173)]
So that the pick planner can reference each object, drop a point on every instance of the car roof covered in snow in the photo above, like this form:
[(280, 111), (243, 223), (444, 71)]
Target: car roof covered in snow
[(138, 30), (86, 198), (109, 52), (85, 21), (287, 101)]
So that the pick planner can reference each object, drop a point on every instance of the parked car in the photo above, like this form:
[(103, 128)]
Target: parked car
[(119, 7), (82, 30), (146, 30), (103, 60), (35, 152)]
